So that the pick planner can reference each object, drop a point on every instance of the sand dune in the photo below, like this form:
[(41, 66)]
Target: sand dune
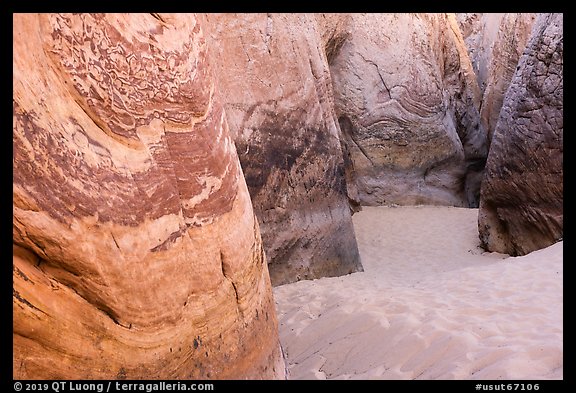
[(429, 305)]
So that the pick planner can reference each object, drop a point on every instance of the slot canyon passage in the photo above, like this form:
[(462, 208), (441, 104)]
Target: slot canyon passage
[(288, 196)]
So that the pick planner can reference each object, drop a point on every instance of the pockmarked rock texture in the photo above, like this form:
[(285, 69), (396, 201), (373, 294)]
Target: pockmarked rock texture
[(513, 34), (521, 205), (136, 253), (408, 104), (274, 74)]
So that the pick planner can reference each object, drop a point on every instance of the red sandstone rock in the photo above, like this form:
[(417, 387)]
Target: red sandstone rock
[(276, 84), (136, 250)]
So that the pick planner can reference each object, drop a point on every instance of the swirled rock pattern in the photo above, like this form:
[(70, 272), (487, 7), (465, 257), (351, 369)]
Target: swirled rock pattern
[(136, 250), (274, 74), (521, 205), (407, 102)]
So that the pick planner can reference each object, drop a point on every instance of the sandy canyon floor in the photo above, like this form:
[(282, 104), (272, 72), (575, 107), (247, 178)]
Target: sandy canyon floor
[(429, 305)]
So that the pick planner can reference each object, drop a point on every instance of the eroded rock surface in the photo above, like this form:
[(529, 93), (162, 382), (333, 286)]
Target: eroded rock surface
[(274, 75), (480, 31), (136, 250), (407, 102), (521, 206), (495, 42), (513, 35)]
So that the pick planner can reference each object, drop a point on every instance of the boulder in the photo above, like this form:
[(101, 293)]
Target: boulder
[(521, 205), (274, 74), (136, 253), (408, 104)]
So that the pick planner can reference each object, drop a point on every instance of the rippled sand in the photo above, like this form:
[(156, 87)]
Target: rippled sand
[(429, 305)]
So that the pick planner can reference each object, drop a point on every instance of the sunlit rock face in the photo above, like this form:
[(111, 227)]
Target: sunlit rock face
[(136, 251)]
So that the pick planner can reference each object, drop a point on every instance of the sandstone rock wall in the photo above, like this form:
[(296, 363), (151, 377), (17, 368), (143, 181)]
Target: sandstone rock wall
[(140, 139), (480, 31), (334, 29), (521, 206), (513, 34), (136, 250), (274, 75), (407, 102)]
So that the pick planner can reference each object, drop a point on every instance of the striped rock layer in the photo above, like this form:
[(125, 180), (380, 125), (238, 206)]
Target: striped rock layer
[(136, 250), (408, 104)]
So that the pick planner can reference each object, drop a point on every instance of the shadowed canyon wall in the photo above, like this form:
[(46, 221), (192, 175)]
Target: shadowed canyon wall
[(408, 104), (509, 45), (521, 206), (275, 77), (495, 43), (480, 31), (405, 112), (136, 250)]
